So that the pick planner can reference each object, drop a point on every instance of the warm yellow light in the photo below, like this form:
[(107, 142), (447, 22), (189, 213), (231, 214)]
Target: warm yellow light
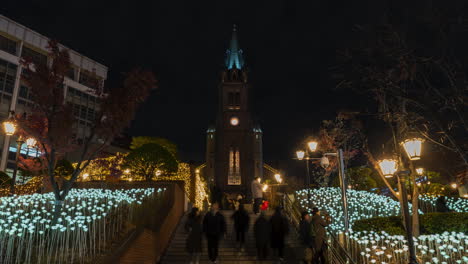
[(265, 187), (9, 127), (454, 185), (312, 145), (300, 154), (419, 184), (278, 178), (158, 172), (413, 148), (465, 195), (85, 176), (388, 167), (420, 171), (349, 186), (31, 142), (428, 182), (130, 179), (197, 171), (127, 171), (259, 179), (397, 193)]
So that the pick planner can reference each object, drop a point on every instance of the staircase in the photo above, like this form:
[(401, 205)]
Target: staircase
[(228, 253)]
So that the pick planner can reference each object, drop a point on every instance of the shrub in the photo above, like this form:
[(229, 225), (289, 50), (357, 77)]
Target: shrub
[(392, 225), (431, 223)]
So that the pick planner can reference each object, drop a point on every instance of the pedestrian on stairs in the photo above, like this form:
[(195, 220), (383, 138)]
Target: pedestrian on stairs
[(214, 227), (194, 240), (257, 194), (279, 231), (319, 224), (262, 231), (305, 236), (241, 225)]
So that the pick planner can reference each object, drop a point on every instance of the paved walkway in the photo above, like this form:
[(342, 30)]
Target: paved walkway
[(228, 254)]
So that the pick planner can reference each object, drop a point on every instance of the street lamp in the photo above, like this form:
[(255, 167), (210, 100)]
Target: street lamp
[(413, 148), (324, 162), (388, 167), (9, 127), (278, 178), (420, 171)]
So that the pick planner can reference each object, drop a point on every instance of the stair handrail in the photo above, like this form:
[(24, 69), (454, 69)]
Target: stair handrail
[(293, 211)]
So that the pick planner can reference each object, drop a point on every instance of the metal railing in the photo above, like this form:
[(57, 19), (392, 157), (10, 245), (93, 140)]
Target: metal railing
[(336, 253)]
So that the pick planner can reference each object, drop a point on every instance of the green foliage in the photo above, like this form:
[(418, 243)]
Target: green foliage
[(5, 180), (431, 223), (165, 143), (392, 225), (146, 160), (435, 189), (64, 168), (436, 223), (360, 178)]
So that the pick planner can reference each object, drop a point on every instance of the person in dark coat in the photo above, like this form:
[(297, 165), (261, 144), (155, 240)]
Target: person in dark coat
[(305, 236), (193, 226), (319, 224), (279, 230), (214, 227), (262, 231), (241, 225)]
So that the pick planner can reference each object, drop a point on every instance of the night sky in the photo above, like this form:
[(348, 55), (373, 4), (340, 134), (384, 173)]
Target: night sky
[(288, 46)]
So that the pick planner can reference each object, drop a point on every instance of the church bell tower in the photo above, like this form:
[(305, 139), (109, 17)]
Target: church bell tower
[(234, 145)]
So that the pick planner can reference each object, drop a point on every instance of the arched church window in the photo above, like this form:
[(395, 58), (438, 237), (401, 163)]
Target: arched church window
[(234, 177)]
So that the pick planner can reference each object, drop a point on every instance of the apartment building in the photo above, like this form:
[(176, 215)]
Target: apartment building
[(18, 41)]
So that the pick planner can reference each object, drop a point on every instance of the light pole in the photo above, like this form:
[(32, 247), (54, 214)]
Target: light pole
[(305, 155), (389, 168), (10, 129), (324, 162)]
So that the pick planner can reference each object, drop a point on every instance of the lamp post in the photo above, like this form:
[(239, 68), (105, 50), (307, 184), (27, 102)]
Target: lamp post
[(10, 129), (305, 155), (389, 168), (324, 162)]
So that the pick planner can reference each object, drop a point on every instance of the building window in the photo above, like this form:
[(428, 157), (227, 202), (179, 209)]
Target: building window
[(36, 57), (8, 45), (234, 176), (7, 79), (71, 73), (85, 107), (237, 99), (89, 79)]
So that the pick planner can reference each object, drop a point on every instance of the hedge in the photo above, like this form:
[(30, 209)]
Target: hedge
[(430, 223)]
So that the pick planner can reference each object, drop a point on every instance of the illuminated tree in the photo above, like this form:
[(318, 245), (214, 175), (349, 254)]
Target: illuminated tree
[(147, 160), (140, 141), (51, 118)]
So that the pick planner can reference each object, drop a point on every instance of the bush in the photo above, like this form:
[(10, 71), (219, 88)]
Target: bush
[(431, 223), (392, 225)]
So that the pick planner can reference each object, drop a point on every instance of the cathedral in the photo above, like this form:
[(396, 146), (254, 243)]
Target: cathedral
[(234, 144)]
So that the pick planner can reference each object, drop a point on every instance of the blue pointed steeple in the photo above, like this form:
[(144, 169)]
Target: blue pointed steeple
[(234, 58)]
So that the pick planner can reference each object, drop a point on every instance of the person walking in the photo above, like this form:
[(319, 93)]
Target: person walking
[(279, 230), (257, 194), (193, 226), (241, 225), (305, 236), (214, 227), (262, 231), (319, 224)]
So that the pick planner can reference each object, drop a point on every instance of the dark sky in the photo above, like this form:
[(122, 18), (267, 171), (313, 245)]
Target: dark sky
[(288, 47)]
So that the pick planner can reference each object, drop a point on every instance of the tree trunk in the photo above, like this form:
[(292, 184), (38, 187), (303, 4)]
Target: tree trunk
[(415, 202), (57, 210)]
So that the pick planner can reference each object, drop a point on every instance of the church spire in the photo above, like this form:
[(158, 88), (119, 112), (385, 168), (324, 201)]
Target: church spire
[(234, 58)]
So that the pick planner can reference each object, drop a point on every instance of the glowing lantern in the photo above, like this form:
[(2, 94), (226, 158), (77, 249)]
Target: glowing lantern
[(420, 171), (413, 148), (388, 167), (312, 145), (300, 154), (278, 178), (31, 142), (9, 127), (454, 185), (265, 187)]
